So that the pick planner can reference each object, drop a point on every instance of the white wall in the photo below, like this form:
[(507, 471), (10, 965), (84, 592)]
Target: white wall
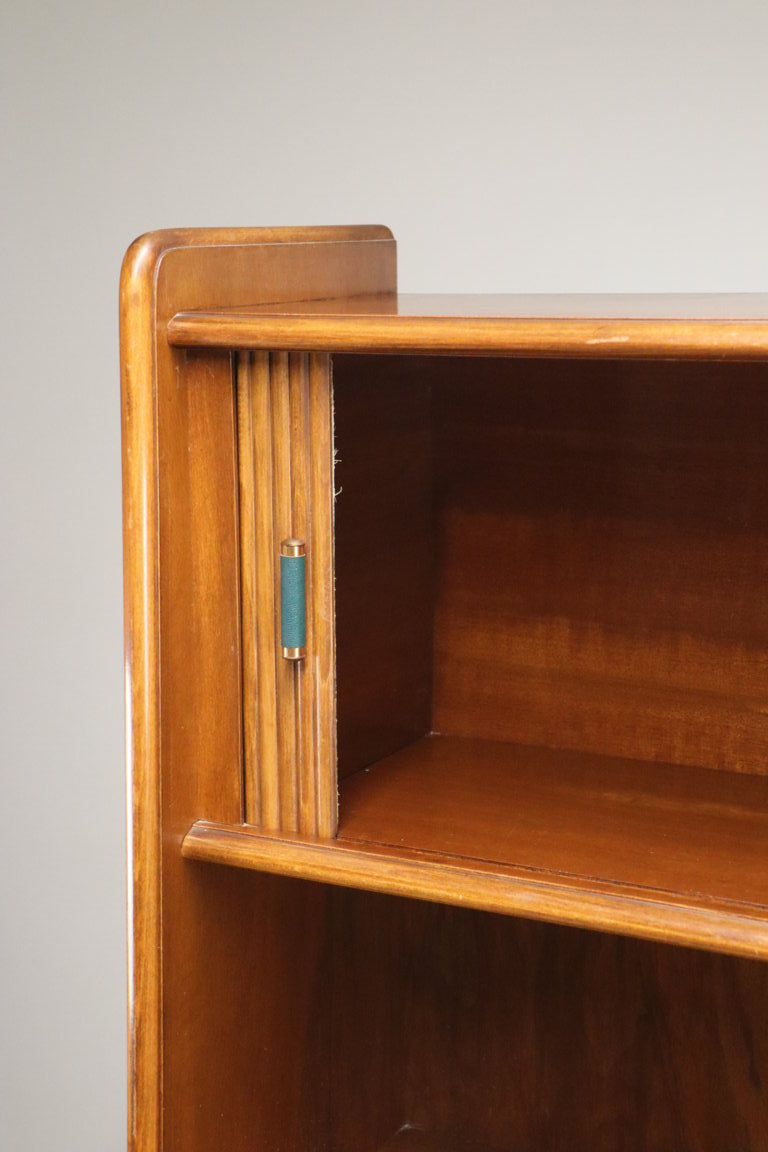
[(533, 146)]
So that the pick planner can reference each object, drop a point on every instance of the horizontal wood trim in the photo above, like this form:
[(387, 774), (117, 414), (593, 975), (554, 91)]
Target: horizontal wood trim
[(513, 327), (587, 904)]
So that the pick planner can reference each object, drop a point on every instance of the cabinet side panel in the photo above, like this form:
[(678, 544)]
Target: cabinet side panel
[(384, 555), (199, 592), (246, 1012), (142, 698)]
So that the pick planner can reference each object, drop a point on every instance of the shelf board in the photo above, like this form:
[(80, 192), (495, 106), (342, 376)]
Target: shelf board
[(658, 851), (731, 326), (657, 826)]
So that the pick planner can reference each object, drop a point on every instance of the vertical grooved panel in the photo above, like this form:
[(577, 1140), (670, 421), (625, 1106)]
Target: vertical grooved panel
[(247, 482), (282, 529), (260, 627), (302, 513), (286, 489)]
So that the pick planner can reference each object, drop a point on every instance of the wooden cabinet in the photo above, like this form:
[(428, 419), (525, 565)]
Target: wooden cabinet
[(485, 868)]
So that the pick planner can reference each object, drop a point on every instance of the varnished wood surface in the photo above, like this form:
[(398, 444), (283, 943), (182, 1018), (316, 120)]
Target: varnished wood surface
[(526, 1037), (187, 971), (602, 535), (486, 1033), (286, 490), (200, 697), (384, 560), (600, 551), (593, 326), (535, 306), (515, 1035), (594, 551), (267, 1012), (659, 827), (696, 921), (410, 1139)]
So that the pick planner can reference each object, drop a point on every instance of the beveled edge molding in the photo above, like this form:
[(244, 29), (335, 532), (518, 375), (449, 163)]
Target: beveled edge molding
[(474, 335), (661, 916)]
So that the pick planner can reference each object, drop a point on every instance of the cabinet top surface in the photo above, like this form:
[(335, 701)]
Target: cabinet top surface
[(534, 306), (694, 325)]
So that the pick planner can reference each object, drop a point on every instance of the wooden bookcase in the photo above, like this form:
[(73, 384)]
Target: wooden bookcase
[(487, 869)]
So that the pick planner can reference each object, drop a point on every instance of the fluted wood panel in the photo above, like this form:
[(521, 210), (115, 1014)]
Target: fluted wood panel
[(286, 489)]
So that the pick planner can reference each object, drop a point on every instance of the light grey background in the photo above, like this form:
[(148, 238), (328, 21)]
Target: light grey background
[(511, 146)]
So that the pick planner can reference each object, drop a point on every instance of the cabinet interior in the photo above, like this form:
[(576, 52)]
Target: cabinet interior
[(550, 641), (551, 626)]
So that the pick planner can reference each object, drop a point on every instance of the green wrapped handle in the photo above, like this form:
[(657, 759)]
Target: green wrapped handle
[(293, 599)]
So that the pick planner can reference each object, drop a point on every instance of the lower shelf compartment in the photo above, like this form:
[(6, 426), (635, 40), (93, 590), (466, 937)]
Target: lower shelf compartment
[(653, 850)]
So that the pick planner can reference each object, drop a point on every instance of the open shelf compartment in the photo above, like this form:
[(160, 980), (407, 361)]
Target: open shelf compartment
[(551, 637), (671, 831)]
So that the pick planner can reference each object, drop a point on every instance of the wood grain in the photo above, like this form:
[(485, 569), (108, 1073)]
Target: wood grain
[(732, 327), (201, 690), (142, 695), (188, 945), (278, 444), (594, 306), (321, 577), (603, 539), (658, 827), (696, 922), (307, 765), (410, 1139), (526, 1036), (626, 513), (384, 532), (518, 1035), (585, 545), (286, 490), (485, 1032), (258, 574)]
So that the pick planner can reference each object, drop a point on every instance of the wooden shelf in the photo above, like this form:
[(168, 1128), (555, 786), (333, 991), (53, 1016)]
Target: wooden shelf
[(698, 326), (654, 826), (653, 850)]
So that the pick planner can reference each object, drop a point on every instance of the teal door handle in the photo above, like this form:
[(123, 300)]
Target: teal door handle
[(293, 599)]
